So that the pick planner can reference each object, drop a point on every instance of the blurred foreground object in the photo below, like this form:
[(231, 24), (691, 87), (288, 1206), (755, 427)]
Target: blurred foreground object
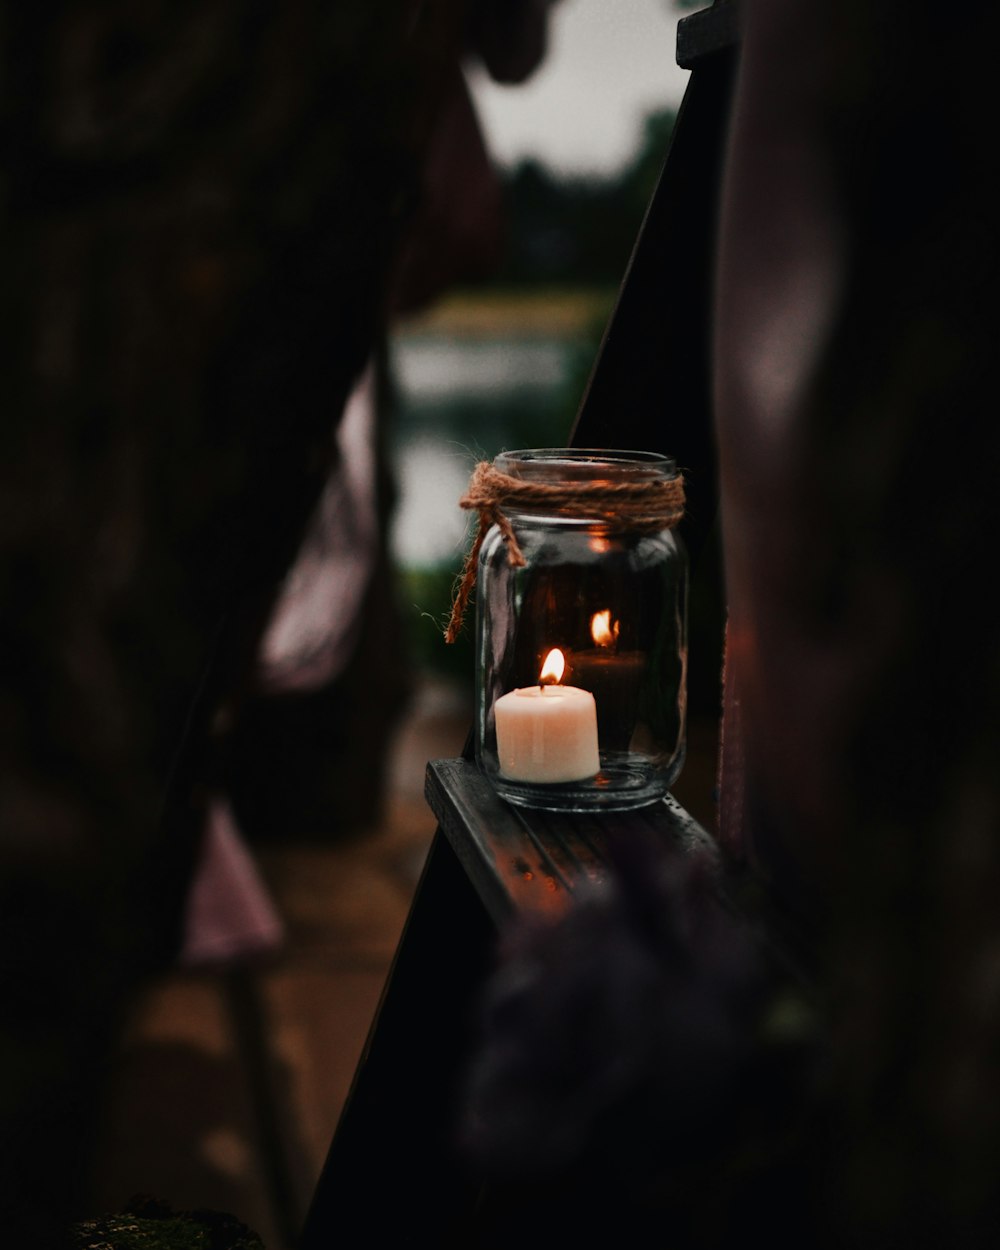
[(202, 215), (855, 357)]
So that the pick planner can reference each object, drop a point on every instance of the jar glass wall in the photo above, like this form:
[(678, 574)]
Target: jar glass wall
[(604, 596)]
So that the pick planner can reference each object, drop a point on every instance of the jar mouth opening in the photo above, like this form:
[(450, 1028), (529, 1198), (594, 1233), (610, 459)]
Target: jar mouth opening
[(585, 463)]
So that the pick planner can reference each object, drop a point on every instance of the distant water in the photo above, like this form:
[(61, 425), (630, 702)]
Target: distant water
[(463, 401), (430, 368)]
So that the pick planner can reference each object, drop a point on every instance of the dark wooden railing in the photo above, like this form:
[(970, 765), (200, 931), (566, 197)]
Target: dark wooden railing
[(391, 1169)]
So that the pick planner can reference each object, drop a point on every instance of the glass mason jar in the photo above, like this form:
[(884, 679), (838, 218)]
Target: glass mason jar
[(582, 651)]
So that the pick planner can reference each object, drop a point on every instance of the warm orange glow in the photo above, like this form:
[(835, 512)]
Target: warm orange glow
[(602, 630), (553, 668)]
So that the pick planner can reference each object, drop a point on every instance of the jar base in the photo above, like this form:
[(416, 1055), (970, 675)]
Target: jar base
[(624, 782)]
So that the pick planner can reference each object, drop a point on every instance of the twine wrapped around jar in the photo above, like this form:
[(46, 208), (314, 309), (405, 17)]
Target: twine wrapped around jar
[(640, 506)]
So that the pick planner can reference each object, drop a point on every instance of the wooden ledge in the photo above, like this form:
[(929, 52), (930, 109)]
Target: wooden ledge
[(519, 859)]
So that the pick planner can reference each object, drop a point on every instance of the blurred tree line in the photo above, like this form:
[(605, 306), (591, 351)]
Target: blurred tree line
[(579, 230)]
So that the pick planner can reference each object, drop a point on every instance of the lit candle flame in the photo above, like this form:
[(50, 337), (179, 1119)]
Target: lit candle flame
[(603, 632), (553, 668)]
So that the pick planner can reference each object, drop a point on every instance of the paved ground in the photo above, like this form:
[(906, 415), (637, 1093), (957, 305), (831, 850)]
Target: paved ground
[(231, 1083)]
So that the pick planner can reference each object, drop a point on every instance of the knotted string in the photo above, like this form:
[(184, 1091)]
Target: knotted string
[(643, 506)]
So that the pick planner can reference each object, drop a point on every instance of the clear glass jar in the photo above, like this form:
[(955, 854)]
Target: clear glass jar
[(611, 597)]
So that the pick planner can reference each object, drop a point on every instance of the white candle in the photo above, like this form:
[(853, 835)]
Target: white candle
[(547, 734)]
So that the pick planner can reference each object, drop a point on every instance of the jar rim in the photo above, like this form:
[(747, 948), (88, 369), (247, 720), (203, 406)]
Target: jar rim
[(585, 462)]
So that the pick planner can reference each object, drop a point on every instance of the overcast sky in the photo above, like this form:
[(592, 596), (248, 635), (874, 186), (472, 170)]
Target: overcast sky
[(610, 62)]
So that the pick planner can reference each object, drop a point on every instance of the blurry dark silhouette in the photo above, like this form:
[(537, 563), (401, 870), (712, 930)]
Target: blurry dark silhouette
[(204, 213), (643, 1070), (335, 670), (856, 342)]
